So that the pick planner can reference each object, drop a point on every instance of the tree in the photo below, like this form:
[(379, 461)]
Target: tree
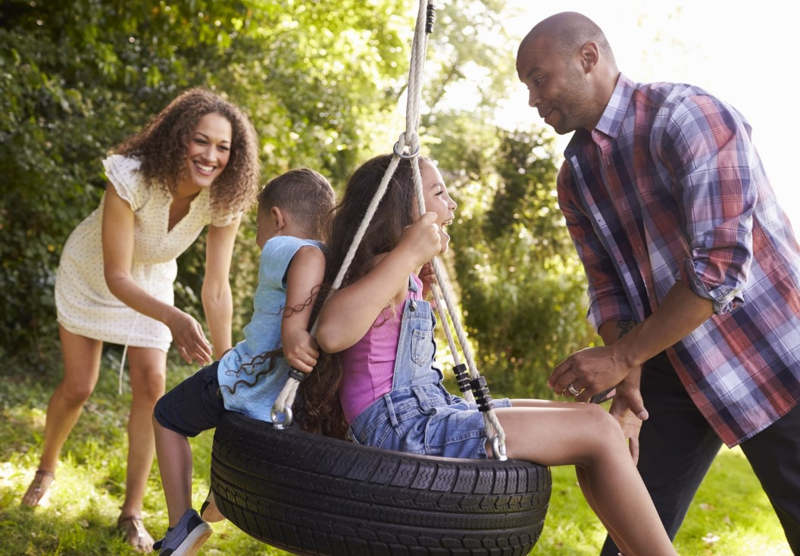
[(77, 77)]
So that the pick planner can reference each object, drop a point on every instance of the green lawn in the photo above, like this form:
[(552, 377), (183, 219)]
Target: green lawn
[(730, 515)]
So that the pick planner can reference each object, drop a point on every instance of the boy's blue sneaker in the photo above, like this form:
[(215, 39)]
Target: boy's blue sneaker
[(186, 538)]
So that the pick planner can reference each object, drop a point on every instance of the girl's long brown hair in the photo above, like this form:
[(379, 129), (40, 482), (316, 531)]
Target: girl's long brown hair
[(161, 146), (321, 410)]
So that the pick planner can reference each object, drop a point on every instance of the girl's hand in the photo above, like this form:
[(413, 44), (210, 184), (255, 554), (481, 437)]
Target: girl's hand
[(629, 410), (193, 347), (300, 350), (428, 277), (422, 240)]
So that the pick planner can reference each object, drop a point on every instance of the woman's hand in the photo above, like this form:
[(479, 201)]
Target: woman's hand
[(191, 342)]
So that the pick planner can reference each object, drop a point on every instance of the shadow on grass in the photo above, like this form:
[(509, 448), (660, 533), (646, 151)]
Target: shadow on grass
[(53, 531)]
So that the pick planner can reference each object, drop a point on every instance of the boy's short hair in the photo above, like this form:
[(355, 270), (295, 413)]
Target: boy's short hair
[(305, 194)]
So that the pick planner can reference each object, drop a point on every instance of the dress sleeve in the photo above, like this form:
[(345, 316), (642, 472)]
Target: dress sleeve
[(123, 173), (708, 151), (223, 219)]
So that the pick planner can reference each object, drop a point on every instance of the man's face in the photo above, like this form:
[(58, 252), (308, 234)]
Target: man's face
[(556, 83)]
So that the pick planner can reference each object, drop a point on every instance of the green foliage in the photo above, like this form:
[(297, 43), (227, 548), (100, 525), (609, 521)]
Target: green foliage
[(78, 77)]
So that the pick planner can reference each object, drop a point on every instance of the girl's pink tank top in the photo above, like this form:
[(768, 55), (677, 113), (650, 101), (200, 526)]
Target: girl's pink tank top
[(368, 365)]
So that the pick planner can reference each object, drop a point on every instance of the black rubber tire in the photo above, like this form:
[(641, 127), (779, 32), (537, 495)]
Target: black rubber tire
[(310, 494)]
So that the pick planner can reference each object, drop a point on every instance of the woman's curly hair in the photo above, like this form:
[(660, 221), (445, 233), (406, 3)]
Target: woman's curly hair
[(161, 146)]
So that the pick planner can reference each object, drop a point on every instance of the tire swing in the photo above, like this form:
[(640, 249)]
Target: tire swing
[(311, 494)]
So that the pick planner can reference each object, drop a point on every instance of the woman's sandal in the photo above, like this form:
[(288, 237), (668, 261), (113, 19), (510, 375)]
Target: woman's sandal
[(38, 488), (135, 533)]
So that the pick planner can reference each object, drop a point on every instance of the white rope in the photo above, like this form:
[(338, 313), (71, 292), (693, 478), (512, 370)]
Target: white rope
[(287, 395), (440, 309), (407, 146), (493, 428)]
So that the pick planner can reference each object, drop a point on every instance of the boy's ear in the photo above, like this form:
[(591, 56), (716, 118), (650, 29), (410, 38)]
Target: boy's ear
[(278, 217)]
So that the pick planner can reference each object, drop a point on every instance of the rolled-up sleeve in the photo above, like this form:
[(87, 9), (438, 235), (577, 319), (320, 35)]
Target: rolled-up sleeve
[(707, 148), (607, 298)]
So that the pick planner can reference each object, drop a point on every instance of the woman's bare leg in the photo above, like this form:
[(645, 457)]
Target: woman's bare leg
[(147, 375), (585, 435), (81, 357)]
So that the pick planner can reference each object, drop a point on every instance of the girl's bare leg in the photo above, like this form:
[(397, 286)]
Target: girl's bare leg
[(588, 437), (585, 484)]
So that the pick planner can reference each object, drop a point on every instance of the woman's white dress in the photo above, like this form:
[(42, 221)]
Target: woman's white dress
[(84, 303)]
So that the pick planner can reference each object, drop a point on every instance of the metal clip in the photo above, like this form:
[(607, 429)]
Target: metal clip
[(281, 424), (498, 449), (398, 150)]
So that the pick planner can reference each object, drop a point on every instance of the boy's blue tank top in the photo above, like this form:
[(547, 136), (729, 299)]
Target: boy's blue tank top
[(241, 390)]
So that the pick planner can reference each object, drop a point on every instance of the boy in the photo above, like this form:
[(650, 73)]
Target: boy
[(292, 213)]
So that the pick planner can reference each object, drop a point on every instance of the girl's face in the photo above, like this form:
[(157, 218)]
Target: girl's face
[(436, 198), (208, 150)]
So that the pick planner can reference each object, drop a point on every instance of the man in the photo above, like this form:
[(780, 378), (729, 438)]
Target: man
[(693, 271)]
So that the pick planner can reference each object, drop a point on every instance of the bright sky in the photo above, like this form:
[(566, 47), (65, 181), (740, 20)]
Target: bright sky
[(743, 52)]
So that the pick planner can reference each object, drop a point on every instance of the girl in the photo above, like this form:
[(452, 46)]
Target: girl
[(194, 165), (391, 393)]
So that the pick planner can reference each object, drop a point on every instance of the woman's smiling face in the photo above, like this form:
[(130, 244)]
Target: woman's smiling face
[(208, 150)]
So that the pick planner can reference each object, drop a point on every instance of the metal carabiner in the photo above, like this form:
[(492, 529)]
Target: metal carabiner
[(398, 150), (498, 449), (285, 422)]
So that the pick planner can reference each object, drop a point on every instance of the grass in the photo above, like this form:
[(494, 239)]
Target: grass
[(730, 515)]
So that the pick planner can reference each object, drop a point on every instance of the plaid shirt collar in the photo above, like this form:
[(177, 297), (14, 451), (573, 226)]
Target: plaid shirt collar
[(610, 122)]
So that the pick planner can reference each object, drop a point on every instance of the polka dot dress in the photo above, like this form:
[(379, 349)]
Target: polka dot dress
[(84, 303)]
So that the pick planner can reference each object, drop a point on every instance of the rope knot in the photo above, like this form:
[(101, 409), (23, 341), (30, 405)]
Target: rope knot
[(407, 148)]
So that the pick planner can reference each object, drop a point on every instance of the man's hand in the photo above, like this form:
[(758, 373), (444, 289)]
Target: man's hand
[(629, 410), (590, 371)]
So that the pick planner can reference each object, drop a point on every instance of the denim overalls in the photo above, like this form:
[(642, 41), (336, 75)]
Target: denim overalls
[(418, 415)]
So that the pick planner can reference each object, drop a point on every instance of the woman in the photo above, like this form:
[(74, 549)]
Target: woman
[(194, 164)]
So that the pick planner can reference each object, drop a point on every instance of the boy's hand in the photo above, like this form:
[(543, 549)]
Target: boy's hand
[(300, 350)]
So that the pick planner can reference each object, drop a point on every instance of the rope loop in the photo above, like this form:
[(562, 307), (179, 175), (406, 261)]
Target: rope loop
[(406, 149)]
